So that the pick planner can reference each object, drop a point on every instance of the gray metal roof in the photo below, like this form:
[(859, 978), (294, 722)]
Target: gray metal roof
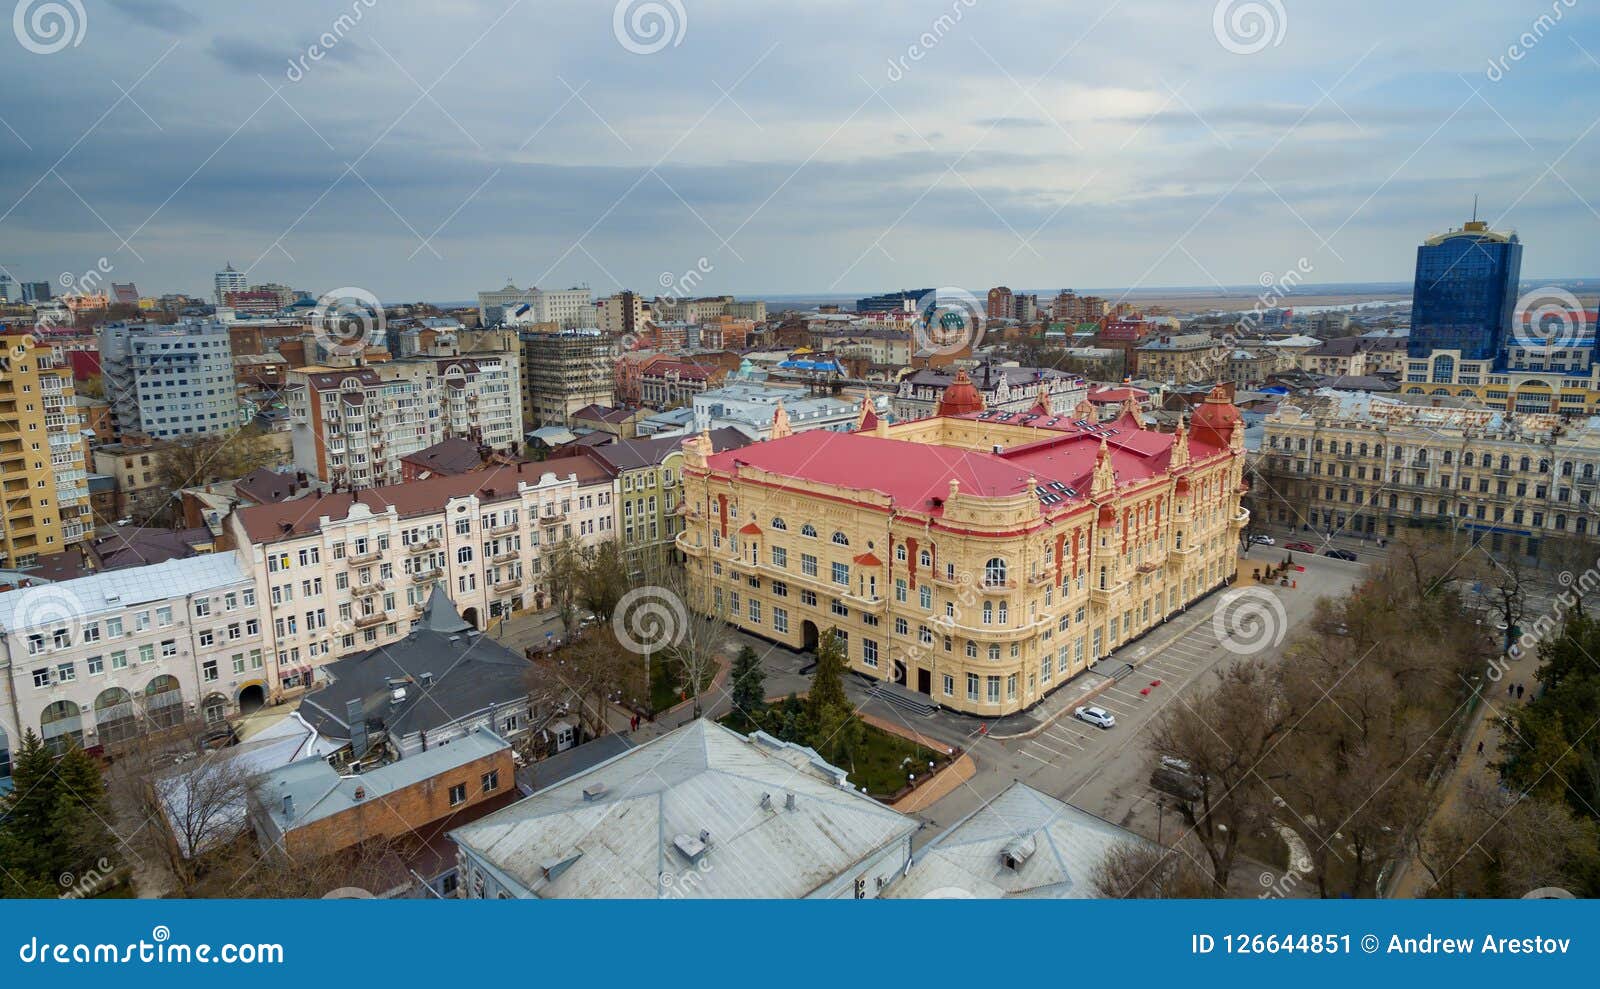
[(72, 600), (1062, 844), (318, 790), (624, 840), (468, 673)]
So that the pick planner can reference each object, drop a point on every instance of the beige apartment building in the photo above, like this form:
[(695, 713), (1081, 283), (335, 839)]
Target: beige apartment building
[(353, 570), (1184, 358), (1372, 465)]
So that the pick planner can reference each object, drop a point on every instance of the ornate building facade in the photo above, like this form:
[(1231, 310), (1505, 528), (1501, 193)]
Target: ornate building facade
[(979, 557)]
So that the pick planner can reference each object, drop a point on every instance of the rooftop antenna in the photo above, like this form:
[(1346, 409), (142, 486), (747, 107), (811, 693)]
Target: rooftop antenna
[(1474, 207)]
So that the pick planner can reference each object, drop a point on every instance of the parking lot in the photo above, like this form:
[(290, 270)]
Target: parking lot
[(1106, 771)]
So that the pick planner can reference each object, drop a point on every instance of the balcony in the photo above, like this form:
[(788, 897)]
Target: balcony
[(423, 576), (372, 556), (423, 547), (552, 518), (509, 556), (501, 530), (503, 586), (869, 603), (688, 548), (372, 620), (367, 590)]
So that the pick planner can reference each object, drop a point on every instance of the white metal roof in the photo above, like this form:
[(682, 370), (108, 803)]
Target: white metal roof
[(1062, 844), (71, 600), (623, 840)]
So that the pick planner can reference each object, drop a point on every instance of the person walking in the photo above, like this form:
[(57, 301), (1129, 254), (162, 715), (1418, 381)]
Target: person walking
[(1480, 746)]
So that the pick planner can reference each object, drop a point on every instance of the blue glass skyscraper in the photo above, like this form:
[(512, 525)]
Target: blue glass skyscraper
[(1465, 291)]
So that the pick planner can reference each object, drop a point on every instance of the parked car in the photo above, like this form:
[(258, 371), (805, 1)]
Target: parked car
[(1341, 554), (1300, 547), (1097, 716), (1175, 776), (1262, 539)]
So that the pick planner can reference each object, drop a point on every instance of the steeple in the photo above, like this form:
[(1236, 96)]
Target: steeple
[(780, 422), (440, 614), (1180, 447), (1105, 475), (868, 419)]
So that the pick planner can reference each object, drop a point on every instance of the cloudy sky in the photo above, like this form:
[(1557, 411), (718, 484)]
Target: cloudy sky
[(431, 149)]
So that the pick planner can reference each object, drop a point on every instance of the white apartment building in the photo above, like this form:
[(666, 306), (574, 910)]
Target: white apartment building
[(351, 571), (169, 381), (567, 308), (354, 425), (753, 410), (97, 660)]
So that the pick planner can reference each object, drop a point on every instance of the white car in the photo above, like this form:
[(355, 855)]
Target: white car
[(1097, 716), (1262, 540)]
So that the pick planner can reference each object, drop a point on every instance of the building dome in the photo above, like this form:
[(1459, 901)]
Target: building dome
[(960, 397), (1215, 419)]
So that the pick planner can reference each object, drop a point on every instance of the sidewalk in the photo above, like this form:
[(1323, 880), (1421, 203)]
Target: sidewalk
[(1413, 881)]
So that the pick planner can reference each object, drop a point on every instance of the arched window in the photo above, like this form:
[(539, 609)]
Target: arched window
[(1003, 612), (925, 635), (900, 553), (988, 613), (779, 523), (924, 559), (994, 572), (840, 539), (808, 530), (994, 652)]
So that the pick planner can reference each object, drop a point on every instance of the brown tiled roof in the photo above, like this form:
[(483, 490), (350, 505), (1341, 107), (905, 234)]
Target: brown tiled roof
[(452, 455)]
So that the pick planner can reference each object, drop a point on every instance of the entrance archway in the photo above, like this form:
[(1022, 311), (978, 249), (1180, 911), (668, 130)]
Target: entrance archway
[(808, 635), (470, 616), (252, 697)]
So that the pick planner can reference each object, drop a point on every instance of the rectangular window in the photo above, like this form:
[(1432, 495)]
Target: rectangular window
[(841, 574), (491, 781), (458, 794), (994, 689), (780, 620), (972, 686), (949, 685), (808, 564), (869, 652)]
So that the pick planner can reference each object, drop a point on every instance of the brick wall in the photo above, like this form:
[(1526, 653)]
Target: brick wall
[(399, 813)]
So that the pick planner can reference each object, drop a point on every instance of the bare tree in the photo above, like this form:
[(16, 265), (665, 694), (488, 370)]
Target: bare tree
[(1143, 871), (195, 798), (1222, 738), (1493, 844), (700, 613)]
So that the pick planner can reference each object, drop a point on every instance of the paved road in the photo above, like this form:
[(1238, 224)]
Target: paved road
[(1106, 771)]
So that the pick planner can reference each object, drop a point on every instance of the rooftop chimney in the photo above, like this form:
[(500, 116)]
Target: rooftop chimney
[(288, 806)]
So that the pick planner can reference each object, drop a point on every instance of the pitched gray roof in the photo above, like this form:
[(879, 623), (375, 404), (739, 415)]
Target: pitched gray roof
[(622, 838), (465, 671), (1057, 844)]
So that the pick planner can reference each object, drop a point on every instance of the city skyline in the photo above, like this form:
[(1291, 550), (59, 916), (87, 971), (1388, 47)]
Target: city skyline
[(427, 156)]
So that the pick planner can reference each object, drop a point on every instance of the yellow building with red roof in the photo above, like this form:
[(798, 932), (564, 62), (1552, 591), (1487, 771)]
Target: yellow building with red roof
[(978, 557)]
